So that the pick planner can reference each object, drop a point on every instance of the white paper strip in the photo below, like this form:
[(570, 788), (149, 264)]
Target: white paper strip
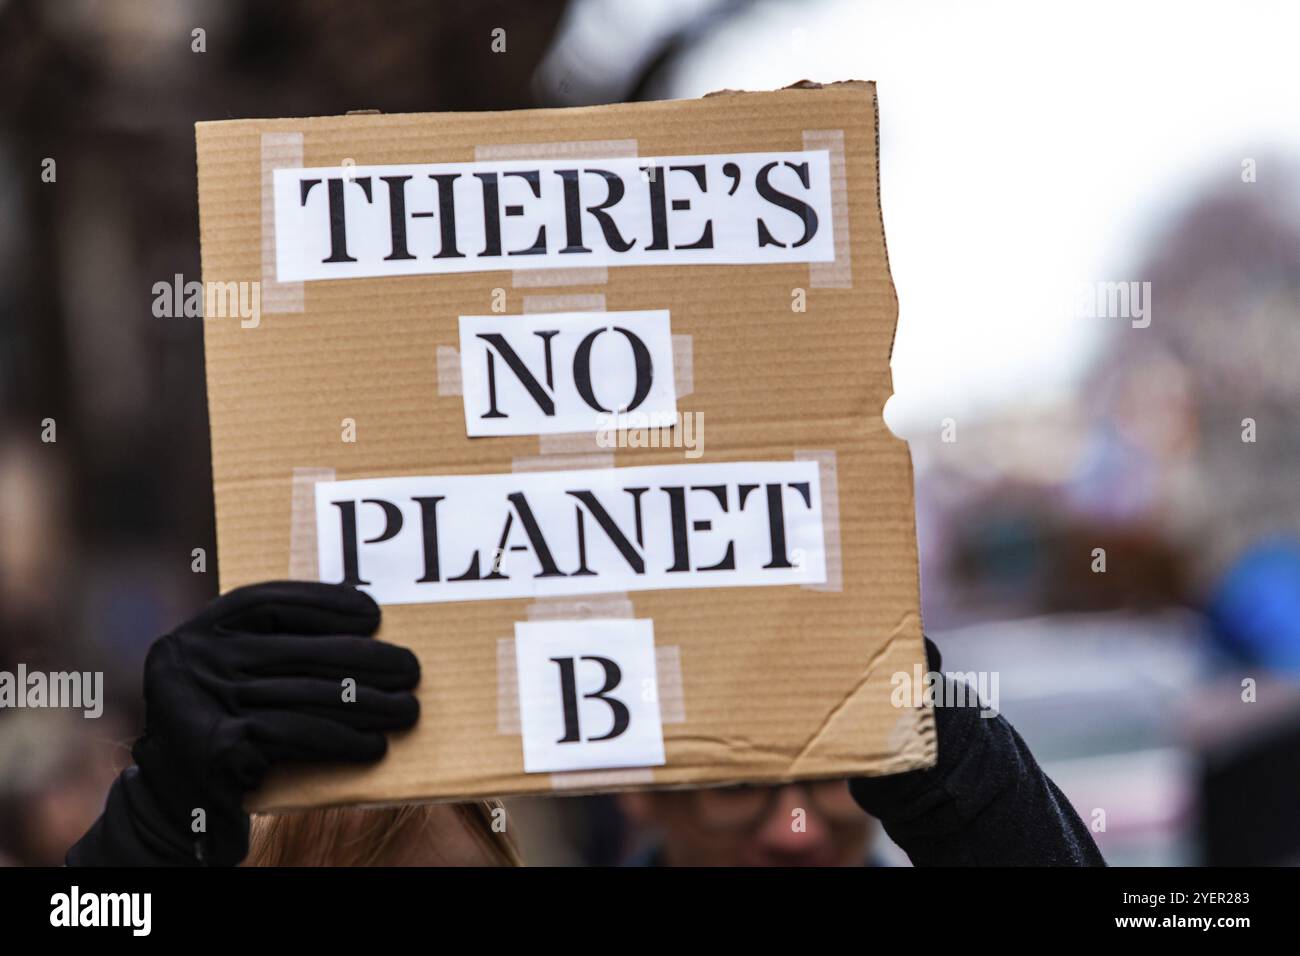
[(588, 695), (534, 534), (554, 373), (340, 223)]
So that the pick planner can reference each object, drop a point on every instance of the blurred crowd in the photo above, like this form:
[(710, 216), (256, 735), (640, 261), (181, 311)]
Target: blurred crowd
[(1171, 457)]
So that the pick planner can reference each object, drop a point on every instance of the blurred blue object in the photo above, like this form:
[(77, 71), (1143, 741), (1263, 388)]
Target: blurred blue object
[(1255, 609)]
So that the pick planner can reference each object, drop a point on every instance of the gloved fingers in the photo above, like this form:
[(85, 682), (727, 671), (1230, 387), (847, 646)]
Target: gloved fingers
[(291, 607), (883, 796), (327, 657), (358, 706), (286, 736), (235, 763)]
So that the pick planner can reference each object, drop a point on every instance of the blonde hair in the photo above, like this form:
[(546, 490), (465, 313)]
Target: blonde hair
[(354, 836)]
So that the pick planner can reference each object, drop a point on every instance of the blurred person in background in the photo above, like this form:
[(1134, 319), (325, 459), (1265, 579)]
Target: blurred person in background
[(1203, 405), (53, 775), (1199, 410), (816, 823), (985, 802)]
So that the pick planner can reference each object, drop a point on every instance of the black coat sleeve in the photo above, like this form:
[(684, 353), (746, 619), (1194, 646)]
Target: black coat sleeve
[(986, 802)]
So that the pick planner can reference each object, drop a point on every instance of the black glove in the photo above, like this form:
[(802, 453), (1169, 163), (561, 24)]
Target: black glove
[(986, 802), (254, 681)]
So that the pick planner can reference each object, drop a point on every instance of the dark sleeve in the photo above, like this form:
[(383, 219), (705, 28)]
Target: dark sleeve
[(129, 832), (985, 803)]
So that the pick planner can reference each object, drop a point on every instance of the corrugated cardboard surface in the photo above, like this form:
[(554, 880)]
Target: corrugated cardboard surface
[(778, 682)]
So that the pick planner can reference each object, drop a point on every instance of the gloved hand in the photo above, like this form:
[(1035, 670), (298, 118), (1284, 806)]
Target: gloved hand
[(985, 802), (254, 681)]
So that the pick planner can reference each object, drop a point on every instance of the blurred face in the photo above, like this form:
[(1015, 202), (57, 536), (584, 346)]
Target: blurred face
[(807, 824)]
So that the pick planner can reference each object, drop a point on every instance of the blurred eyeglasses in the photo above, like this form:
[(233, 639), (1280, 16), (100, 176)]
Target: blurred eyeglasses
[(746, 806)]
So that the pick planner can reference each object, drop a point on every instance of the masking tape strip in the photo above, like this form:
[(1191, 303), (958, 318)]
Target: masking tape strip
[(508, 720), (450, 381), (594, 302), (671, 687), (552, 462), (599, 779), (613, 605), (839, 273), (279, 151), (683, 365), (542, 278), (576, 149), (570, 443), (303, 561), (826, 468)]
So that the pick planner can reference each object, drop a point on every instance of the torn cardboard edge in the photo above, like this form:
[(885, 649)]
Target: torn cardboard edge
[(869, 86)]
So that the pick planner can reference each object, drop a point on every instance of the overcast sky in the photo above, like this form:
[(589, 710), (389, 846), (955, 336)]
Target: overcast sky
[(1026, 148)]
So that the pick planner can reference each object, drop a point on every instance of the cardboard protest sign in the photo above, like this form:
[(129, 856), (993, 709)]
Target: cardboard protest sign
[(590, 401)]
